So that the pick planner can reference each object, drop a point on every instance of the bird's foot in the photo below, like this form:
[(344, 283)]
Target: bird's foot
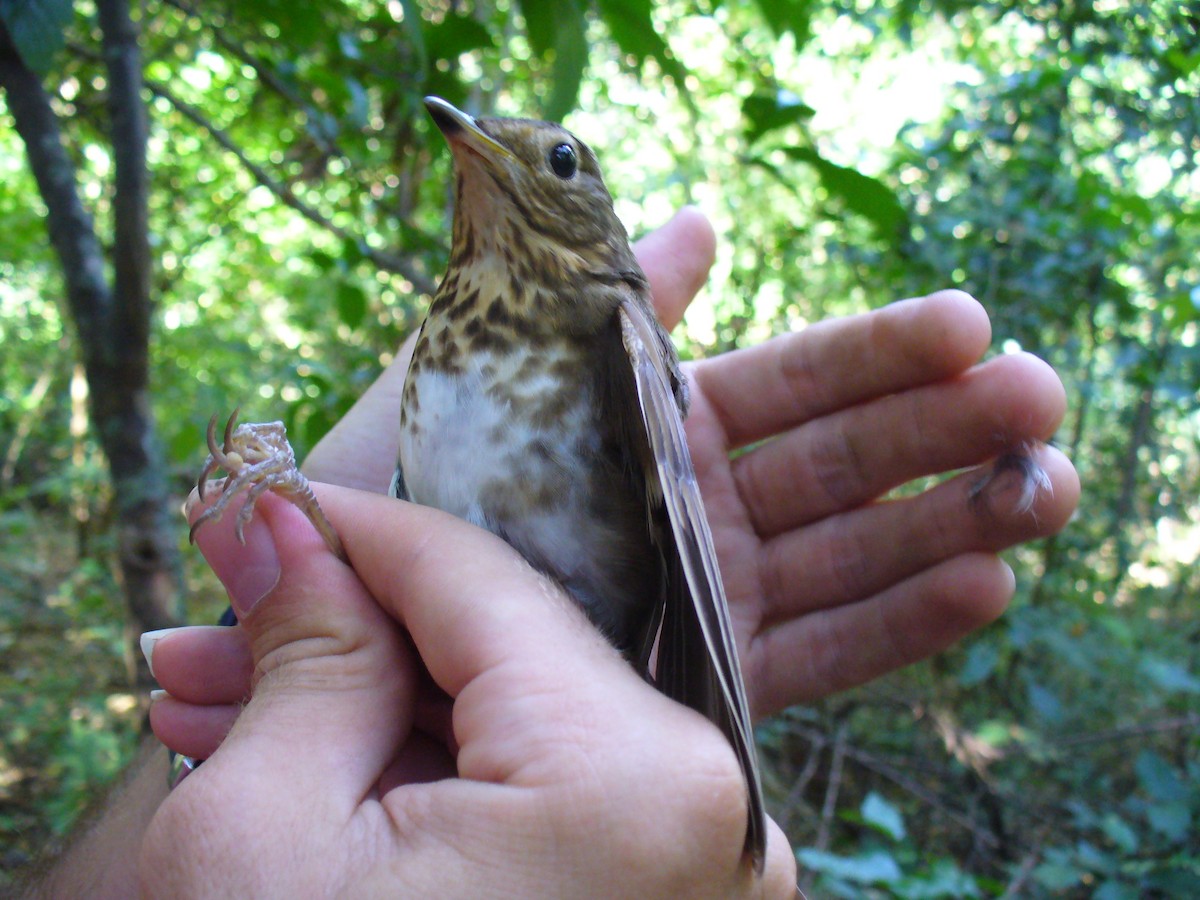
[(257, 457), (1018, 468)]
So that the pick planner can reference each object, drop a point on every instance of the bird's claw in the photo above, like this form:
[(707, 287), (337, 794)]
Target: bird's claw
[(1032, 479), (257, 457)]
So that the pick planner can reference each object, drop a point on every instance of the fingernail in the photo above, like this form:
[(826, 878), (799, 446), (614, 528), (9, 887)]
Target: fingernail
[(249, 571), (148, 641)]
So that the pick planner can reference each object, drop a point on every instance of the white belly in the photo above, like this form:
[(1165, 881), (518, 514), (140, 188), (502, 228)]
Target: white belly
[(470, 446), (469, 452)]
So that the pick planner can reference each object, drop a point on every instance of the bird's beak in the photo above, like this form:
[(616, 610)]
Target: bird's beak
[(456, 125)]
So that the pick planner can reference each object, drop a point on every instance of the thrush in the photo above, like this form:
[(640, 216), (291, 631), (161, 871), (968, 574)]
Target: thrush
[(545, 403)]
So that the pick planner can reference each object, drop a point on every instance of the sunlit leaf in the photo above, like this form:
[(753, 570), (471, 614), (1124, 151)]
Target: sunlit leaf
[(558, 28), (867, 196), (869, 868), (632, 27), (768, 112), (878, 812)]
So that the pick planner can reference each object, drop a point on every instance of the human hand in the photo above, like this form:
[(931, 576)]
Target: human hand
[(828, 586), (570, 775)]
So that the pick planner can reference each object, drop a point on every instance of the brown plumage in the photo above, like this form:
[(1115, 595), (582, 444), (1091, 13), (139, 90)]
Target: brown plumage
[(544, 402)]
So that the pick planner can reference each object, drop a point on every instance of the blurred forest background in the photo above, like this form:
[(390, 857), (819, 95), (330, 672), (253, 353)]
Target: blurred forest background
[(205, 204)]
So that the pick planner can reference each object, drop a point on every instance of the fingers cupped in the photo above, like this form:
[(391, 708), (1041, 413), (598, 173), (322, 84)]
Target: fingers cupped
[(204, 664), (850, 644), (191, 729), (854, 455), (761, 391), (855, 555)]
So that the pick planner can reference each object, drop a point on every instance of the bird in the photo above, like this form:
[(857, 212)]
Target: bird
[(545, 403)]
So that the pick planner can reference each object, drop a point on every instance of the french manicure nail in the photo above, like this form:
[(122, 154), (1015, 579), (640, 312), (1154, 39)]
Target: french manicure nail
[(149, 641)]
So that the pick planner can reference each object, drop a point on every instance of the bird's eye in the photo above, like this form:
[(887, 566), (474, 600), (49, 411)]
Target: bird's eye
[(563, 161)]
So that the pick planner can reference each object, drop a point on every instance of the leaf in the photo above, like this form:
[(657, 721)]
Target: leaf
[(301, 25), (876, 867), (1044, 702), (360, 104), (1117, 890), (454, 36), (37, 29), (558, 27), (765, 112), (1172, 820), (351, 304), (1057, 875), (632, 27), (788, 15), (1120, 833), (981, 663), (414, 29), (861, 193), (944, 879), (1170, 676), (1157, 777), (878, 812)]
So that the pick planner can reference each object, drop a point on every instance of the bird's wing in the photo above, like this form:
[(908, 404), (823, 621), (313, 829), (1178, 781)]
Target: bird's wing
[(397, 488), (697, 653)]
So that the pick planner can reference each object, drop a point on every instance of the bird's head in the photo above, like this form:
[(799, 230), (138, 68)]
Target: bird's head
[(533, 177)]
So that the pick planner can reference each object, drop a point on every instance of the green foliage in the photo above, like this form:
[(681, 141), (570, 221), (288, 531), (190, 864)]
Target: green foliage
[(36, 28), (558, 29), (1042, 156), (70, 724)]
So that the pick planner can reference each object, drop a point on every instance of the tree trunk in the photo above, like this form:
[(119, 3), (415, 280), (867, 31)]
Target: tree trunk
[(113, 323)]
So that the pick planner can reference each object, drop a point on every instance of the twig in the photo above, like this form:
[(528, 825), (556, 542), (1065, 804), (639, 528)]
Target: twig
[(266, 75), (25, 424), (877, 765), (1125, 732), (387, 261), (832, 789), (800, 785), (1016, 887)]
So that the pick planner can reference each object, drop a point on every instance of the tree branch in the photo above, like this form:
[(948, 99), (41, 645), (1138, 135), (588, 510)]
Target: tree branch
[(72, 231), (131, 252), (265, 73), (389, 262), (112, 334)]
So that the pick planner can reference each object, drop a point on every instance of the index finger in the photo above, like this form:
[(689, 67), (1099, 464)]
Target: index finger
[(839, 363), (470, 602)]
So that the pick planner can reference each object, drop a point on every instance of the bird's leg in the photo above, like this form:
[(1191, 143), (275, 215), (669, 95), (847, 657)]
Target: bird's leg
[(258, 456), (1027, 474)]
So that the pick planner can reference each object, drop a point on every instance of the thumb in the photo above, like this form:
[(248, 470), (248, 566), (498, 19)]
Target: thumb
[(334, 680), (676, 259)]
